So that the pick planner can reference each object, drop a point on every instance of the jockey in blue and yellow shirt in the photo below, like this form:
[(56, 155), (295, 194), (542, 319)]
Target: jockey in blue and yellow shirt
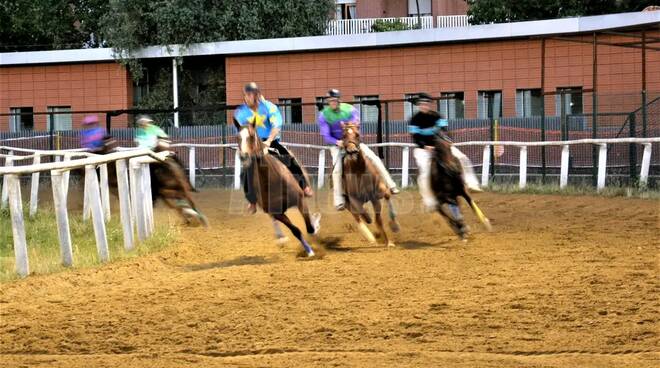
[(266, 119)]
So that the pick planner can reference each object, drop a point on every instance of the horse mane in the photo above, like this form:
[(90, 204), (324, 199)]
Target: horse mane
[(445, 158)]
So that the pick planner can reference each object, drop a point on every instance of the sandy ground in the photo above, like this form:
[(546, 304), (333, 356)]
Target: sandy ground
[(560, 282)]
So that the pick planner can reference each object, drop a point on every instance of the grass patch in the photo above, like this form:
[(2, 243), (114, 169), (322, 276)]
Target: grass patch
[(575, 190), (44, 247)]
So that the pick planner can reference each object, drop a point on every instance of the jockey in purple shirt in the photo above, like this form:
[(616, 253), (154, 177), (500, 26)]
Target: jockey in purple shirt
[(331, 125)]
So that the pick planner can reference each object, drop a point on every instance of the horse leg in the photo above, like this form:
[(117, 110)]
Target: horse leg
[(477, 211), (280, 237), (394, 223), (313, 222), (455, 219), (296, 232), (378, 208), (357, 210)]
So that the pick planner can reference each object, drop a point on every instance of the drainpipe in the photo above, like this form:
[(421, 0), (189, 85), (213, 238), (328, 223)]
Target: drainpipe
[(175, 91)]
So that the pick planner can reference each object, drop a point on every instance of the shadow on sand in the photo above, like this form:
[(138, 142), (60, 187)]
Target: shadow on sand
[(240, 261)]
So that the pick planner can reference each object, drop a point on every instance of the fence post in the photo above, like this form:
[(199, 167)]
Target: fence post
[(5, 182), (563, 175), (105, 191), (379, 130), (62, 217), (646, 163), (523, 167), (405, 167), (18, 226), (485, 166), (34, 187), (65, 176), (632, 148), (387, 134), (602, 166), (87, 211), (137, 195), (94, 197), (237, 170), (51, 131), (124, 204), (191, 166), (320, 181), (148, 201)]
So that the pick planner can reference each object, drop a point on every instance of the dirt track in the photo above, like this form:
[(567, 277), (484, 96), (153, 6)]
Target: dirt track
[(562, 281)]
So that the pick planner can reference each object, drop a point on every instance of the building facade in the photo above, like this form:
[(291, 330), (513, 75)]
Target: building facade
[(485, 71)]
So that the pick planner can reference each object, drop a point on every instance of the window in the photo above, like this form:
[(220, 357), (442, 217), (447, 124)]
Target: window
[(320, 104), (452, 105), (528, 102), (424, 7), (572, 101), (61, 118), (409, 107), (345, 9), (291, 110), (489, 104), (368, 113), (24, 121)]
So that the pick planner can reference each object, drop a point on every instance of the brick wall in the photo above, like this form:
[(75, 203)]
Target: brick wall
[(501, 65), (94, 86)]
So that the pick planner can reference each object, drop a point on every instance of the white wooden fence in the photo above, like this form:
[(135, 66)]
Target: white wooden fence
[(134, 184), (363, 25), (451, 21), (135, 202), (487, 146)]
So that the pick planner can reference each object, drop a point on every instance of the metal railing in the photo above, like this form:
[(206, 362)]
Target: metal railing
[(364, 25)]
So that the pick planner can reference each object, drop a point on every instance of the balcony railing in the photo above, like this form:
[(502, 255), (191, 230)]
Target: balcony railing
[(450, 21), (364, 25)]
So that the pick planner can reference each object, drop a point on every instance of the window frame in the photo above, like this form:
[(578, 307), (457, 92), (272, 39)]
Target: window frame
[(535, 102), (59, 114), (444, 100), (359, 104), (482, 100), (287, 106), (17, 123)]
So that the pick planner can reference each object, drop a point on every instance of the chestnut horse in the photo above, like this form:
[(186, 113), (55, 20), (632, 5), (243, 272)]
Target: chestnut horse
[(362, 183), (448, 184), (275, 187)]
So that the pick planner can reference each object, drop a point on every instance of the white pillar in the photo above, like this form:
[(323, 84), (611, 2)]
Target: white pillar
[(237, 170), (138, 200), (148, 200), (124, 204), (563, 175), (646, 163), (191, 166), (94, 198), (105, 191), (602, 166), (405, 167), (5, 182), (523, 167), (175, 90), (485, 166), (34, 187), (18, 225), (321, 174), (62, 217)]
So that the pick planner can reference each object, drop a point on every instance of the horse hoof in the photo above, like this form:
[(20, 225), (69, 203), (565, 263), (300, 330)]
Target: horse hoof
[(487, 225), (366, 232), (310, 254), (391, 245), (394, 226), (281, 241)]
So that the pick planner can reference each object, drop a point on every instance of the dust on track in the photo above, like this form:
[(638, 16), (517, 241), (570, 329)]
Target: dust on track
[(561, 281)]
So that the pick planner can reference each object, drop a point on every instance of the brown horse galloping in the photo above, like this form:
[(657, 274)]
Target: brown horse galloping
[(276, 188), (362, 183), (448, 184)]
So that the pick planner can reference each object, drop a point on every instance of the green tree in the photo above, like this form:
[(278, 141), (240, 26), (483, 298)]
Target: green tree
[(501, 11), (130, 25), (50, 24)]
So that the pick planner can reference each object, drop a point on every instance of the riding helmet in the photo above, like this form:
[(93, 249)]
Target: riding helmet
[(251, 87), (334, 93)]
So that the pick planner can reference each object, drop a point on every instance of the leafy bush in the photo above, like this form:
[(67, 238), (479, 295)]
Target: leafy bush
[(381, 25)]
